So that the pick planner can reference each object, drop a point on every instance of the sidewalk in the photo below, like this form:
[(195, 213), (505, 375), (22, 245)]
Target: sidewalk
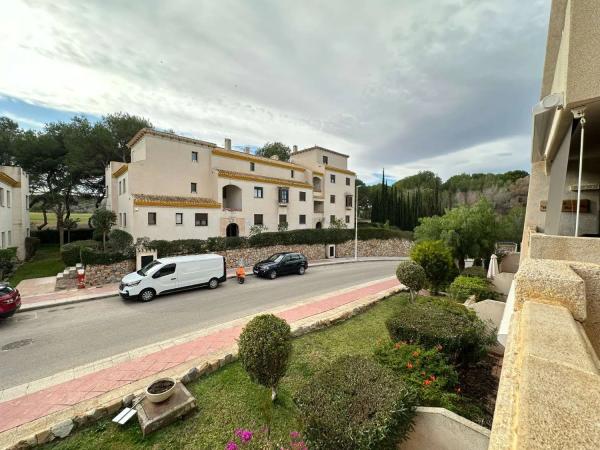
[(58, 298), (29, 408)]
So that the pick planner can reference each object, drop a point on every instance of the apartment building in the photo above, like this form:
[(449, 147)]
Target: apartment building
[(177, 187), (14, 208)]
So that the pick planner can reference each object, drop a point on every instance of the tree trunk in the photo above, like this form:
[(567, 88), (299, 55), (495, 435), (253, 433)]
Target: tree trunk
[(461, 264), (61, 237), (45, 216), (104, 242)]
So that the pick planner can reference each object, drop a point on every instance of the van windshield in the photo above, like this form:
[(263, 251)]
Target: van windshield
[(275, 258), (144, 270)]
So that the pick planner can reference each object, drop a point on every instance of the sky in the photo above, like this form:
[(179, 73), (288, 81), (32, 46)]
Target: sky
[(441, 85)]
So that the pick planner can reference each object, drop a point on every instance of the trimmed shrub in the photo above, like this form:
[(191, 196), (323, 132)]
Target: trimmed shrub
[(355, 403), (95, 257), (71, 253), (464, 286), (474, 271), (265, 346), (443, 324), (120, 241), (31, 247), (411, 275), (8, 257), (436, 259)]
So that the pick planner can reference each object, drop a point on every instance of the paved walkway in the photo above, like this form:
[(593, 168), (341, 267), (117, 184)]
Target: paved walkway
[(35, 405), (30, 300)]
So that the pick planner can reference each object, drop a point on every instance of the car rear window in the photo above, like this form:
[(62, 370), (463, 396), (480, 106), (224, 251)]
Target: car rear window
[(5, 290)]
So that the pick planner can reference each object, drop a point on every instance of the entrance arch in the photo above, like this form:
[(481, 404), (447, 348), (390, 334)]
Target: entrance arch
[(232, 230), (319, 226), (232, 198)]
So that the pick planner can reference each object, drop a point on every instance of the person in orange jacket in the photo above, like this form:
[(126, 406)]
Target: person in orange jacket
[(240, 273)]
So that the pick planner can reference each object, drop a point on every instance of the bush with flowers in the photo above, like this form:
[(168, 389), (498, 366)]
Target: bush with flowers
[(245, 439)]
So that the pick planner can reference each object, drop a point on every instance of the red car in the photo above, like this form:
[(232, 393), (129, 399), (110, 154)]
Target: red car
[(10, 300)]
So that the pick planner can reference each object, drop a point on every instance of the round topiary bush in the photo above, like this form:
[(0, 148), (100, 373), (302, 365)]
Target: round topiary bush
[(436, 259), (411, 275), (355, 403), (453, 328), (265, 347), (120, 241)]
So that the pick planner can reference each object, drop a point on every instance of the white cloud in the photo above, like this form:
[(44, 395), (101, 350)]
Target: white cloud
[(391, 83)]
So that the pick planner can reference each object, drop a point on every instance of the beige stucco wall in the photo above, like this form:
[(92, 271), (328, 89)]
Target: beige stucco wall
[(166, 228), (15, 219)]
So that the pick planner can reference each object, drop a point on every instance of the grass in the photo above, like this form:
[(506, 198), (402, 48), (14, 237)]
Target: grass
[(227, 399), (45, 263), (37, 218)]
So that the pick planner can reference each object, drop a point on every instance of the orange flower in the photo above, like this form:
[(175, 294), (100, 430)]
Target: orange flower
[(427, 382), (416, 354), (409, 365)]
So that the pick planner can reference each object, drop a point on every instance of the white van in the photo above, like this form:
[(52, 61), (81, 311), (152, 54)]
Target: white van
[(178, 273)]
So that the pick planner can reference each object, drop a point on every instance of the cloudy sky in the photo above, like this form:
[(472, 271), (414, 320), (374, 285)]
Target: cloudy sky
[(442, 85)]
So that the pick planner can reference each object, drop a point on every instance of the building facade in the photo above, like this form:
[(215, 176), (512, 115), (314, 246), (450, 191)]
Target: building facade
[(14, 208), (181, 188)]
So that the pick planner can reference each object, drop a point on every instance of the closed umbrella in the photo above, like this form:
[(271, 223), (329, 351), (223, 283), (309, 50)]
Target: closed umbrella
[(493, 269)]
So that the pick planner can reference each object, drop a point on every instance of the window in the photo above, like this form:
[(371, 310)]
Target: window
[(1, 197), (325, 160), (302, 196), (178, 218), (252, 167), (120, 190), (347, 181), (302, 219), (194, 188), (195, 157), (282, 218), (124, 219), (258, 219), (258, 192), (151, 218), (284, 195), (332, 199), (347, 219), (332, 218), (348, 201), (292, 173), (201, 219), (332, 178), (8, 199), (169, 269)]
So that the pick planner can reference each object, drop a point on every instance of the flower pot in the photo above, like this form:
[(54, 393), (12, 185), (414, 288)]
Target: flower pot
[(160, 390)]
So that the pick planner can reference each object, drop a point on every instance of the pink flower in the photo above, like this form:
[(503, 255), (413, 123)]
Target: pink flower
[(244, 435), (294, 435), (231, 446)]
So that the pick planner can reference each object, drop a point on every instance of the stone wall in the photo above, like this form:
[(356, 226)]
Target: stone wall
[(97, 275)]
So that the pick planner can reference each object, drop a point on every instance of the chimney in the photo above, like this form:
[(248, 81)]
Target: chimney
[(227, 144), (295, 149), (246, 149), (275, 157)]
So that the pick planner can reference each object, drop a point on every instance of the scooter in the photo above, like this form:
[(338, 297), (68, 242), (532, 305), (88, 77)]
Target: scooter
[(240, 274)]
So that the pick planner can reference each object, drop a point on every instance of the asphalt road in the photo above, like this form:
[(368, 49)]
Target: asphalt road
[(40, 343)]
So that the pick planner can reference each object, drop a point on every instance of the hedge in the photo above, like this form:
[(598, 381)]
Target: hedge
[(445, 324), (91, 257), (71, 253), (465, 286), (355, 403), (293, 237), (50, 236), (8, 257), (474, 271)]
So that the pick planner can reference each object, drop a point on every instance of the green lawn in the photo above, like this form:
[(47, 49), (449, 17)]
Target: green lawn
[(228, 400), (45, 263), (37, 218)]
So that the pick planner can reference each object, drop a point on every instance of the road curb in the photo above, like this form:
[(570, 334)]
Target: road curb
[(52, 304)]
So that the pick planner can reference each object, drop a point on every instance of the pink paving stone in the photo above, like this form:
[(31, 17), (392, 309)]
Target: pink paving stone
[(56, 398)]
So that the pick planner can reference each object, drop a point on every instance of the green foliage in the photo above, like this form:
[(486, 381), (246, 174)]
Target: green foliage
[(71, 253), (466, 230), (465, 286), (282, 226), (411, 275), (511, 225), (9, 131), (355, 403), (8, 258), (265, 348), (120, 241), (463, 337), (90, 256), (103, 220), (474, 271), (31, 246), (422, 180), (278, 149), (338, 224), (436, 260), (257, 229)]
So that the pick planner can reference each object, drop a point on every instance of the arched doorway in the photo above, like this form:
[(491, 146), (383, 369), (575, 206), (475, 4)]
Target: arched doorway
[(318, 226), (232, 230), (316, 184)]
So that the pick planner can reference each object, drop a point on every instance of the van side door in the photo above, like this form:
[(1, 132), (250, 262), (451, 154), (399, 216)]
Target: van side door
[(165, 279)]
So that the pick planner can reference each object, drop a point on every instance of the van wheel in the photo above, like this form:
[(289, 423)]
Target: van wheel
[(147, 295), (272, 274), (213, 283), (301, 270)]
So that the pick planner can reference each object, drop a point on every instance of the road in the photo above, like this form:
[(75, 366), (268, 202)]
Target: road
[(40, 343)]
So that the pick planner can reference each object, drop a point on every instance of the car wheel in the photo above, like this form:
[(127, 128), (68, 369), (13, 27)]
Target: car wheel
[(301, 270), (213, 283), (147, 295), (272, 274)]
